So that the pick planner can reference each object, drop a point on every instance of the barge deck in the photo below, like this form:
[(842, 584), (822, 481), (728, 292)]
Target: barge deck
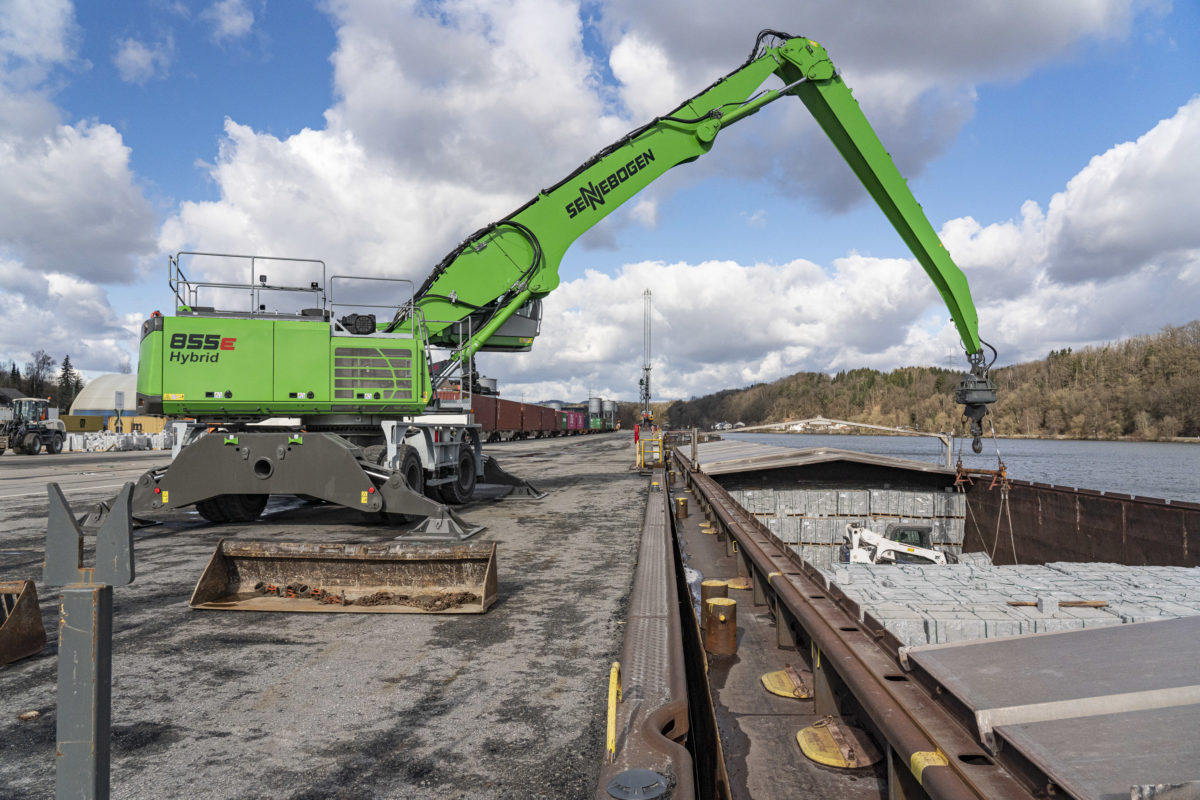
[(514, 702)]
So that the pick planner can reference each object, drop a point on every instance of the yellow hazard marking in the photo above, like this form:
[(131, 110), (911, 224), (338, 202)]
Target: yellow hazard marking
[(926, 758), (772, 575), (174, 396), (165, 493), (614, 697), (738, 583), (364, 497)]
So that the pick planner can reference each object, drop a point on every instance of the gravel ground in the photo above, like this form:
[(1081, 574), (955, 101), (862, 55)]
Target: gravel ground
[(248, 705)]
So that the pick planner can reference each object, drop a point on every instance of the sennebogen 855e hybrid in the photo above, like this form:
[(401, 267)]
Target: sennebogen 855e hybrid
[(367, 428)]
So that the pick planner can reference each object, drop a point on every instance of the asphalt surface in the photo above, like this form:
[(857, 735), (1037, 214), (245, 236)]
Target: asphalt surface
[(259, 705)]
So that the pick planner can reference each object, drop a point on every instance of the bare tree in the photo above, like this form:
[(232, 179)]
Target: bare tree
[(37, 373)]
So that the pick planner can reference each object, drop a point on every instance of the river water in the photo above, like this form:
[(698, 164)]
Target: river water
[(1166, 470)]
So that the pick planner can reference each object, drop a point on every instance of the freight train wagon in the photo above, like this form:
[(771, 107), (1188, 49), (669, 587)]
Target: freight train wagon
[(507, 419)]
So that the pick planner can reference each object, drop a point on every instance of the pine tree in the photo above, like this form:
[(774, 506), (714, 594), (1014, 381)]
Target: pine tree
[(67, 380), (14, 376)]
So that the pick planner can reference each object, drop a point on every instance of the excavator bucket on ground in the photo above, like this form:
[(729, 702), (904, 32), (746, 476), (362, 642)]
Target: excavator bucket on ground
[(21, 631), (385, 578)]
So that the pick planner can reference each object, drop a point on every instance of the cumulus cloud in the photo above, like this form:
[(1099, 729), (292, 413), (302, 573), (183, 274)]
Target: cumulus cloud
[(449, 115), (35, 35), (719, 323), (74, 215), (320, 194), (61, 314), (138, 62), (490, 94), (1117, 252), (231, 19), (913, 70)]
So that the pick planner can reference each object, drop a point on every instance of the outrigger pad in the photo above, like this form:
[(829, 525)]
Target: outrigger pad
[(521, 488), (22, 633), (445, 526)]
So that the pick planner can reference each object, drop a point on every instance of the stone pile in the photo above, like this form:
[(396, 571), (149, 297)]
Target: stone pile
[(935, 604), (813, 521)]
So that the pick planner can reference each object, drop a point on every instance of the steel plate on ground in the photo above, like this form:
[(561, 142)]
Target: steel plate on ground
[(385, 578)]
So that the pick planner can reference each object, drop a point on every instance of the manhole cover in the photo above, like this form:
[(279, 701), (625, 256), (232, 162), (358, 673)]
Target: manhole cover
[(635, 784)]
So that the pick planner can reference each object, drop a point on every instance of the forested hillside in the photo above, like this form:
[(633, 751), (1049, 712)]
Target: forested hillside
[(1147, 387)]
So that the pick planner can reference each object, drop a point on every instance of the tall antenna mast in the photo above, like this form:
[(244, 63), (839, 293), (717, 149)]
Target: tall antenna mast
[(644, 383)]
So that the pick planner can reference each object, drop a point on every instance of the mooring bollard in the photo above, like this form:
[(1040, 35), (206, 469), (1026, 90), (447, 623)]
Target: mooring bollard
[(681, 509), (709, 589), (720, 628)]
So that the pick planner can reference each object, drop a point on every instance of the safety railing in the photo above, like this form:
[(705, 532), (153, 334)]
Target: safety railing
[(650, 451)]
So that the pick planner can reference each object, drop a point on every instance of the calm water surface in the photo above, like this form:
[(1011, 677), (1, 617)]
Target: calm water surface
[(1151, 469)]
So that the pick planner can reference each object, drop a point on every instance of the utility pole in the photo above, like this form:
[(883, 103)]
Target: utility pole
[(644, 383)]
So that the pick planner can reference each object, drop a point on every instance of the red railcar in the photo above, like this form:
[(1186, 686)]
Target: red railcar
[(508, 419)]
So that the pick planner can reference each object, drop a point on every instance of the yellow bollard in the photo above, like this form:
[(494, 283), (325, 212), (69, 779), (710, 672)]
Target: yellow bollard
[(681, 509), (720, 629)]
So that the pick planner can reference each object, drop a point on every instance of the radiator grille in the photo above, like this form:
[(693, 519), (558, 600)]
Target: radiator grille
[(384, 371)]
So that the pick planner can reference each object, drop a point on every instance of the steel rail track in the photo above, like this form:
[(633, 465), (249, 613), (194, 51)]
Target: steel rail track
[(930, 753)]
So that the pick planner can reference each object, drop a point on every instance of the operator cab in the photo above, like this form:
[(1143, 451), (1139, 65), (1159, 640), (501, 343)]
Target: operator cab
[(910, 535), (31, 409)]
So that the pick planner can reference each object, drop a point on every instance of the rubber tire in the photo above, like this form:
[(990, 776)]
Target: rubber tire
[(233, 507), (462, 488), (33, 445), (411, 470), (55, 445)]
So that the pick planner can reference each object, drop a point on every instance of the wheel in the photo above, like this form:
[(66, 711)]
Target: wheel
[(232, 507), (411, 470), (376, 453), (33, 445), (55, 444), (460, 490)]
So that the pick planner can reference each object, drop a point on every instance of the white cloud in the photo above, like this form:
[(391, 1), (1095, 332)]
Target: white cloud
[(649, 86), (74, 215), (494, 95), (72, 203), (320, 194), (231, 19), (62, 315), (137, 62), (719, 324), (1117, 252), (645, 212), (448, 115), (34, 36), (912, 67), (757, 219)]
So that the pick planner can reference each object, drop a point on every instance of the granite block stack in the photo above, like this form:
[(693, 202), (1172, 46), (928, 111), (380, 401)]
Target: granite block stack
[(812, 521)]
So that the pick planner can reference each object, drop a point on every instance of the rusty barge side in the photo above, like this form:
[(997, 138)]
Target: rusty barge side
[(1060, 523)]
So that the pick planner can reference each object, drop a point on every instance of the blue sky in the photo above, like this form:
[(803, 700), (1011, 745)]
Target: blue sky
[(1052, 144)]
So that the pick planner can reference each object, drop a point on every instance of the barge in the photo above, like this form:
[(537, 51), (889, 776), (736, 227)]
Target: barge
[(517, 702)]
